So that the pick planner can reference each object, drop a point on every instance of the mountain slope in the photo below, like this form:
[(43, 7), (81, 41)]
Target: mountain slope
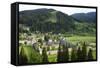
[(85, 17), (50, 20)]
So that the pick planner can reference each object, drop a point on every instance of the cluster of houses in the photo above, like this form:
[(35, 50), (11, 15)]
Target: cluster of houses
[(32, 41)]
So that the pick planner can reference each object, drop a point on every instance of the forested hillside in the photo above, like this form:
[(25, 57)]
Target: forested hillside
[(50, 20)]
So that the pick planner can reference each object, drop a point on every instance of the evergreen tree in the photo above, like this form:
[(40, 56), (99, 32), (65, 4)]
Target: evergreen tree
[(65, 54), (59, 54), (73, 54), (90, 55), (84, 51), (46, 38), (79, 54), (22, 57), (44, 56)]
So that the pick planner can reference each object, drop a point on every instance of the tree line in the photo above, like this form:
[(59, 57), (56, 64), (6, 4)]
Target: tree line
[(63, 54), (77, 54)]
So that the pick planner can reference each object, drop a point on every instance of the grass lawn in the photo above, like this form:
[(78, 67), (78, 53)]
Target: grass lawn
[(52, 58), (90, 39), (31, 55)]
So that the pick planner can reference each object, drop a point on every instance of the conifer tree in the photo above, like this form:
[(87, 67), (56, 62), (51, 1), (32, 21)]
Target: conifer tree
[(79, 54), (22, 57), (73, 55), (44, 56), (59, 54), (46, 38), (90, 55), (84, 51), (65, 53)]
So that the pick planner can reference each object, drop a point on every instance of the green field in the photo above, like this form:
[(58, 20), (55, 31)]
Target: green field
[(88, 39), (30, 54), (52, 58)]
